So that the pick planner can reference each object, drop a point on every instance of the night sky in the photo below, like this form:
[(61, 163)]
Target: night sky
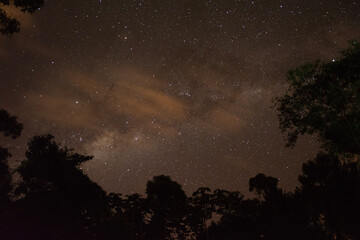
[(182, 88)]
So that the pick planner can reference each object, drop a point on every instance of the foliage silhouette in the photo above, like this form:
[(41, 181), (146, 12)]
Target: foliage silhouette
[(5, 179), (267, 187), (167, 203), (9, 125), (55, 200), (201, 208), (117, 225), (135, 210), (10, 25), (323, 98), (55, 194), (128, 217), (331, 190), (242, 224)]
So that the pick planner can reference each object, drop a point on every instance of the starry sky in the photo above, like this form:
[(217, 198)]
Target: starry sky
[(180, 87)]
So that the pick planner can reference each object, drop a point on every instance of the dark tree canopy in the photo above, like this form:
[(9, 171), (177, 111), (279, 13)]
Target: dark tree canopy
[(55, 193), (323, 98), (5, 177), (9, 125), (56, 200), (10, 128), (167, 194), (263, 185), (48, 166), (10, 25), (331, 193), (167, 202)]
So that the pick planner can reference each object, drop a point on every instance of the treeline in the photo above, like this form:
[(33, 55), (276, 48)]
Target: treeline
[(55, 200)]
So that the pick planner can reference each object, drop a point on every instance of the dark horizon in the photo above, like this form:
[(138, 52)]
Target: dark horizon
[(183, 89), (203, 116), (203, 107)]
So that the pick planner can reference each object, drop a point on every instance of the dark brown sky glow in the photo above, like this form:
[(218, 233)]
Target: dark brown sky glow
[(181, 88)]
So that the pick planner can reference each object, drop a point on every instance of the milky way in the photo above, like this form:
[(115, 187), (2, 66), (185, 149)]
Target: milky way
[(181, 88)]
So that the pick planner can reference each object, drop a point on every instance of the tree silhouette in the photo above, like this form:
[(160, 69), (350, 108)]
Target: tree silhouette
[(167, 203), (226, 202), (56, 196), (238, 217), (5, 179), (10, 127), (201, 208), (323, 98), (135, 209), (266, 187), (130, 215), (116, 225), (10, 25), (331, 190), (244, 223)]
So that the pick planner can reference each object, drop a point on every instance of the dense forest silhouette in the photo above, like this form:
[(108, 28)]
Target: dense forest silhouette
[(54, 199)]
